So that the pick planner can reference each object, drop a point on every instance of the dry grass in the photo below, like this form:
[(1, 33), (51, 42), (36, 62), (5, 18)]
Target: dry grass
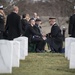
[(43, 64)]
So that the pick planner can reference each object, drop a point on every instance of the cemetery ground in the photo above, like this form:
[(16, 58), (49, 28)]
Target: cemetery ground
[(43, 64)]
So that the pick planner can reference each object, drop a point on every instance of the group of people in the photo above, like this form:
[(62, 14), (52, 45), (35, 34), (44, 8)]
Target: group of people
[(16, 26)]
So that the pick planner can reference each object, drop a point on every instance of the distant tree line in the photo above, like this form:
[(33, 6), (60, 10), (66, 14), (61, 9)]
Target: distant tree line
[(50, 7)]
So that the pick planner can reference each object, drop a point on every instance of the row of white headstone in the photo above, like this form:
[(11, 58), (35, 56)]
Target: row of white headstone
[(70, 51), (11, 52)]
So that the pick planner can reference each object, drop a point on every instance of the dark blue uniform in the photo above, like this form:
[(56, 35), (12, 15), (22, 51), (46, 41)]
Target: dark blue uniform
[(55, 39)]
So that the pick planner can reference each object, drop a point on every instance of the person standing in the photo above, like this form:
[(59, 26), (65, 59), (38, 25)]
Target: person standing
[(55, 38), (25, 22), (13, 24), (71, 28), (36, 16), (2, 21)]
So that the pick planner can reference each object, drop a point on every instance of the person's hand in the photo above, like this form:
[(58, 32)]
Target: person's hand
[(44, 38)]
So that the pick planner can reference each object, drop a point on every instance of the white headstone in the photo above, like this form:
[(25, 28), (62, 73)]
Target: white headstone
[(23, 46), (16, 54), (72, 56), (68, 42), (6, 50), (67, 46)]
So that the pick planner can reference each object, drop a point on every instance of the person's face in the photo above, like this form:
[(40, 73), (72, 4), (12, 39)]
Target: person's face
[(1, 10), (27, 16), (51, 21), (35, 14), (33, 22), (39, 22), (17, 9)]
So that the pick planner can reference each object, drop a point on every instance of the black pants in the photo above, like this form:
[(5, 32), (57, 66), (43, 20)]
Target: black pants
[(55, 46), (40, 43)]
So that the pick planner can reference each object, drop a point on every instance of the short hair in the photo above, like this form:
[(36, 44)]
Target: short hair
[(15, 7), (24, 15), (52, 18), (31, 19), (37, 20)]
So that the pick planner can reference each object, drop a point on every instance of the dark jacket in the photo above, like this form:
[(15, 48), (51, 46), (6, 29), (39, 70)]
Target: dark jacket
[(1, 23), (37, 29), (55, 31), (71, 28), (30, 32), (25, 24), (13, 26), (56, 37)]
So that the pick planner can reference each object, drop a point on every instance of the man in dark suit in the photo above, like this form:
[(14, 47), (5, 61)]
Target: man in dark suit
[(71, 28), (55, 39), (13, 24)]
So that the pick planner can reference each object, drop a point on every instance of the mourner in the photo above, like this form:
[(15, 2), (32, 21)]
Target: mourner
[(13, 24), (25, 22), (2, 21), (71, 28), (38, 28), (36, 16), (34, 36)]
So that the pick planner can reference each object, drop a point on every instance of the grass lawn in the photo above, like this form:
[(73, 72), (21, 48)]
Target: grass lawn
[(43, 64)]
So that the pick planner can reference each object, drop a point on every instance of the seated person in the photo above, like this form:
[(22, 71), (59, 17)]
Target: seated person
[(34, 36), (55, 39), (37, 28)]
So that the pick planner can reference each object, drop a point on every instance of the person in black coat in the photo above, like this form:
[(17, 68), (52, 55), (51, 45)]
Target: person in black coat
[(55, 38), (2, 17), (37, 28), (25, 22), (30, 32), (13, 24), (71, 28), (34, 36)]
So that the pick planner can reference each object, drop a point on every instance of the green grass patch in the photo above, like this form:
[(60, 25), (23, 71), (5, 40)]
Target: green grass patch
[(43, 64)]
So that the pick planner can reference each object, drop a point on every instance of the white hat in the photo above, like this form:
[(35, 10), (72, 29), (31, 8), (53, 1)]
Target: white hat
[(1, 6)]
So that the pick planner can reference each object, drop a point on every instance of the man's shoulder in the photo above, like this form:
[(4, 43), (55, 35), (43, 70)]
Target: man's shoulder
[(72, 15), (35, 25), (55, 26), (13, 14)]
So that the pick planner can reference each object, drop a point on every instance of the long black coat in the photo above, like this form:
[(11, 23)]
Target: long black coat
[(1, 23), (40, 42), (37, 29), (31, 32), (55, 40), (13, 26), (25, 24), (71, 28), (1, 26)]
